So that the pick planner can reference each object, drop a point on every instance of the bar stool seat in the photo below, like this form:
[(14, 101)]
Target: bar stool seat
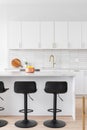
[(53, 87), (2, 90), (25, 87)]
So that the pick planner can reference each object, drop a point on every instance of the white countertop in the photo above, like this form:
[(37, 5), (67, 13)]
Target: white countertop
[(39, 73)]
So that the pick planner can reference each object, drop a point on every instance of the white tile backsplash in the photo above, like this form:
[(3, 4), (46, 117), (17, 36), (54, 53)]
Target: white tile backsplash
[(40, 58)]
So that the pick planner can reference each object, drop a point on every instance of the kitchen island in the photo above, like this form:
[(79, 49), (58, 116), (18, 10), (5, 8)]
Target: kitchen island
[(13, 102)]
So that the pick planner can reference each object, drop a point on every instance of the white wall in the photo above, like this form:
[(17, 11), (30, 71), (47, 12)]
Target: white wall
[(43, 9), (3, 44), (76, 59)]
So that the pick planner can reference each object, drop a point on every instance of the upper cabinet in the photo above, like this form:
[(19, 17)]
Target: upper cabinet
[(60, 34), (84, 35), (54, 35), (47, 37), (14, 35), (23, 35), (30, 35), (74, 35)]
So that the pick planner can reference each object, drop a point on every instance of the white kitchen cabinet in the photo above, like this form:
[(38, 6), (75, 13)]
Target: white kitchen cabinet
[(84, 35), (79, 82), (14, 35), (85, 82), (74, 35), (47, 34), (30, 35), (61, 41)]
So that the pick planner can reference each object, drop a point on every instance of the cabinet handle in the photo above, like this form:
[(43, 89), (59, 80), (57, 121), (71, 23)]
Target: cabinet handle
[(39, 45), (54, 45), (20, 45), (83, 45), (69, 45)]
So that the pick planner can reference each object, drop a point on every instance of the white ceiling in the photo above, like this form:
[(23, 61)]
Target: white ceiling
[(43, 9), (40, 1)]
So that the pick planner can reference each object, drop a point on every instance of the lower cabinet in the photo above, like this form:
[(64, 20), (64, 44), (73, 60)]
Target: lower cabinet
[(85, 82), (79, 82)]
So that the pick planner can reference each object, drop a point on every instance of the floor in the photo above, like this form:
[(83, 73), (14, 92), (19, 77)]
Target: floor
[(71, 124)]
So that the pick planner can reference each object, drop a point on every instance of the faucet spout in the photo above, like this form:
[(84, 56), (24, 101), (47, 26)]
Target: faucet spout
[(51, 59)]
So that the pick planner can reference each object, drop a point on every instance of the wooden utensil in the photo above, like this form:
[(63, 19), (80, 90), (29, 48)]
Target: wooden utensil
[(16, 63)]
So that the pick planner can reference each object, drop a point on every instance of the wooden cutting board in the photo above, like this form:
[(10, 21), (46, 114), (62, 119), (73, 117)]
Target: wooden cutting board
[(16, 63)]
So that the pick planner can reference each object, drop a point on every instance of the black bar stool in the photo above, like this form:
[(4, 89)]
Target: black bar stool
[(25, 87), (55, 88), (2, 90)]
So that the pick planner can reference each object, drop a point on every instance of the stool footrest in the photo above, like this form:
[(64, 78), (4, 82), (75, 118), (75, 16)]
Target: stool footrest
[(28, 110), (57, 110), (2, 108)]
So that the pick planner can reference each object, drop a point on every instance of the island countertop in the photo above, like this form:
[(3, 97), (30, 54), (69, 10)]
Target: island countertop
[(39, 73)]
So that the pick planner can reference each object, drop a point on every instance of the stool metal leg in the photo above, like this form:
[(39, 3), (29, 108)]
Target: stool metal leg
[(54, 123), (25, 123), (54, 107), (25, 107)]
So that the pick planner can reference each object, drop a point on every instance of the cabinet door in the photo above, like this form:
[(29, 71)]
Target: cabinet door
[(61, 41), (84, 35), (79, 82), (85, 82), (30, 35), (47, 35), (74, 32), (14, 35)]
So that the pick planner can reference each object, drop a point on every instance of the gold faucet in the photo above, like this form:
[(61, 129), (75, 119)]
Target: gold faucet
[(51, 59)]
